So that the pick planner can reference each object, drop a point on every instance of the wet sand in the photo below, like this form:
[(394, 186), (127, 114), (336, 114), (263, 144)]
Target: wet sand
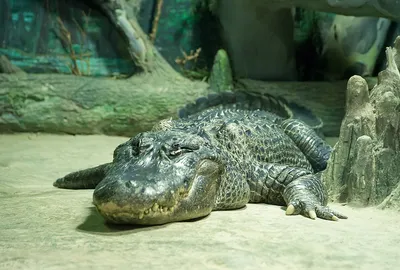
[(42, 227)]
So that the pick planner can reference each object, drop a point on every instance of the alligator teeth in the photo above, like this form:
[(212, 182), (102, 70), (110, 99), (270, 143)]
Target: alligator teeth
[(182, 193), (155, 207)]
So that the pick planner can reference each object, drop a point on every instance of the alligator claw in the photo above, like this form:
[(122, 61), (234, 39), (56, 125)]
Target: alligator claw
[(290, 209), (313, 211), (293, 209), (325, 212), (312, 214)]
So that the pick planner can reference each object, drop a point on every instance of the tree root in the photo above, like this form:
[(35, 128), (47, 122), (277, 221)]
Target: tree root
[(364, 167)]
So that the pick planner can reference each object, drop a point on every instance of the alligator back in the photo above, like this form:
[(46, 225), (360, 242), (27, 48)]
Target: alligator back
[(254, 101)]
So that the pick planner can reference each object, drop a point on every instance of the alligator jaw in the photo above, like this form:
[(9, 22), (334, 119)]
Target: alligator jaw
[(156, 214)]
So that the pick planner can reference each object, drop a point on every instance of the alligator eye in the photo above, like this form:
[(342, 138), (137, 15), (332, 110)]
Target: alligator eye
[(177, 150), (175, 153)]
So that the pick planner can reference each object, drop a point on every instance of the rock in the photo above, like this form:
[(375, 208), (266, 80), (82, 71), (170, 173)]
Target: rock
[(221, 73), (364, 167)]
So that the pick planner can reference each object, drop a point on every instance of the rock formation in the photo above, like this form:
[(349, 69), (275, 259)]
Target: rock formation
[(364, 168)]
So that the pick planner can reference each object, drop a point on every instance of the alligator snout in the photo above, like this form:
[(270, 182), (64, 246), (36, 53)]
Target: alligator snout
[(133, 193)]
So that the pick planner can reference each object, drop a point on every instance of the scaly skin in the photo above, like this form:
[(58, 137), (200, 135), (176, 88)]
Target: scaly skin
[(218, 159)]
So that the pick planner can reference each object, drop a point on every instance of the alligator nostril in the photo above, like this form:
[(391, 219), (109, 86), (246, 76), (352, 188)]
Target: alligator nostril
[(135, 147), (128, 184), (135, 151)]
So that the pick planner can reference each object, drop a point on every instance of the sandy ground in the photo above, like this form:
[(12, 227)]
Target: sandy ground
[(42, 227)]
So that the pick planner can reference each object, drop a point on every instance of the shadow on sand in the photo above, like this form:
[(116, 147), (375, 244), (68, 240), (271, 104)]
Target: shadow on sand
[(95, 224)]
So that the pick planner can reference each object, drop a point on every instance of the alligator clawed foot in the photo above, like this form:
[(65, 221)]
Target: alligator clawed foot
[(313, 210)]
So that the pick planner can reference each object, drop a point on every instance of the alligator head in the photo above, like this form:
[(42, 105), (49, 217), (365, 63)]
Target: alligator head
[(159, 177)]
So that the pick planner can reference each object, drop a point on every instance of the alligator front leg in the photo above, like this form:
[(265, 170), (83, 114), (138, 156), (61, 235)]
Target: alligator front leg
[(83, 179), (306, 195), (301, 190)]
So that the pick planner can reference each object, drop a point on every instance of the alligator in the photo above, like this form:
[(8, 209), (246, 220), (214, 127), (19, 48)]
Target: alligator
[(212, 158)]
